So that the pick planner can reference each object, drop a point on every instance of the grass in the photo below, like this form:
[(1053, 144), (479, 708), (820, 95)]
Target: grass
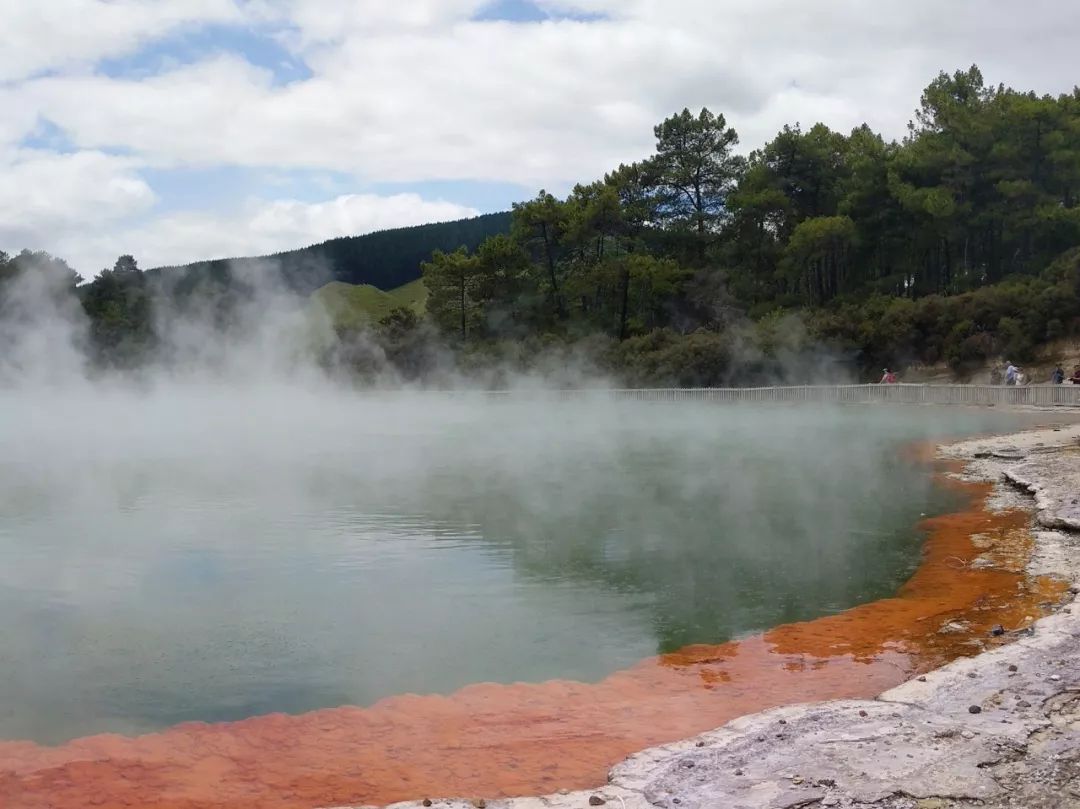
[(352, 305)]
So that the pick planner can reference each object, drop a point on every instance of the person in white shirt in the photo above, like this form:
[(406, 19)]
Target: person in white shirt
[(1011, 373)]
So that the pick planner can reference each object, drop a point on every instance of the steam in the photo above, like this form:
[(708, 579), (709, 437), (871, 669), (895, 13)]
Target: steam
[(42, 328), (261, 334), (243, 526)]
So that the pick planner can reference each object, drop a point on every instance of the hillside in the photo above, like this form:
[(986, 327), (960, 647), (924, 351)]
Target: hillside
[(387, 259), (942, 254), (351, 305)]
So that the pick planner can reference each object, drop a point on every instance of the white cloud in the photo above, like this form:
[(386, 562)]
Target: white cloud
[(288, 223), (50, 34), (320, 22), (43, 194), (414, 91), (259, 227)]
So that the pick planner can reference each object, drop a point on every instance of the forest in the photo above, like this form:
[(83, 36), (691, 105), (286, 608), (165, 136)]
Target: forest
[(818, 254), (385, 259), (702, 266)]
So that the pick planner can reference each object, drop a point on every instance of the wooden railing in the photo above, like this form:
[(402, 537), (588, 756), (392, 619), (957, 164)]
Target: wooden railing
[(1027, 395)]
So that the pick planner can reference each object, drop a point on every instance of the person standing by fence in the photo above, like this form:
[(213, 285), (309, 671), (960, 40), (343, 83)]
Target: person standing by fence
[(889, 378), (1011, 373), (1058, 376)]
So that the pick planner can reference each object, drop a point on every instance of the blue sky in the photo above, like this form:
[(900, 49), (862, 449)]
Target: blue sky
[(186, 129)]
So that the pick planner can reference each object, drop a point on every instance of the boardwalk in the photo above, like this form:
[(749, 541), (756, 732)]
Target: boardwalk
[(1028, 395)]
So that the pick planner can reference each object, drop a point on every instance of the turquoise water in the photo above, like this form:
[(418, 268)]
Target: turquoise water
[(210, 558)]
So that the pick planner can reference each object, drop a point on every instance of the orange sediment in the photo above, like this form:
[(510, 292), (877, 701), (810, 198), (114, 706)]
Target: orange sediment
[(499, 740)]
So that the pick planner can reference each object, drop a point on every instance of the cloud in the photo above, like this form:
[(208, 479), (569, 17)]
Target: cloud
[(290, 223), (455, 117), (44, 194), (42, 36), (418, 90), (317, 23), (415, 91), (258, 227)]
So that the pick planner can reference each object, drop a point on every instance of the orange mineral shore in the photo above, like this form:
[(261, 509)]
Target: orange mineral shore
[(506, 740)]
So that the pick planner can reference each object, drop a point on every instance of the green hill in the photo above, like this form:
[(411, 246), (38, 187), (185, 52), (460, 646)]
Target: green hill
[(388, 259), (352, 305), (413, 294)]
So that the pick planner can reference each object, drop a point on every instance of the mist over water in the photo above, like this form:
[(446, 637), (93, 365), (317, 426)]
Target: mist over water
[(228, 530), (200, 550)]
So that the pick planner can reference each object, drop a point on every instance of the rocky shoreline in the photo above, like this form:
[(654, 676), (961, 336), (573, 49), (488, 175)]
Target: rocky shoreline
[(998, 730)]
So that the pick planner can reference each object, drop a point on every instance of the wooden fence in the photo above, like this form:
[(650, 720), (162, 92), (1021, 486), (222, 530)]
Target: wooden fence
[(1027, 395)]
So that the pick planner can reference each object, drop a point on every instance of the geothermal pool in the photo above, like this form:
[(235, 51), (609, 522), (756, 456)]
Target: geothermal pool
[(293, 597), (198, 555)]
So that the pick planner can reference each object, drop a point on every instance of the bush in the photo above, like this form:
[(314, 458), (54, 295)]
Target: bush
[(661, 357), (1014, 340)]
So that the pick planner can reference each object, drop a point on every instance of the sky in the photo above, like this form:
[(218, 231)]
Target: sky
[(179, 130)]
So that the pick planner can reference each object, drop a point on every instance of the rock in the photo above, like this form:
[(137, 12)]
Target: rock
[(830, 800), (998, 631), (968, 734), (700, 744), (1055, 678), (954, 627), (738, 772), (863, 714), (427, 802), (480, 803), (1023, 704), (1014, 667), (974, 709), (922, 679), (931, 803), (596, 800)]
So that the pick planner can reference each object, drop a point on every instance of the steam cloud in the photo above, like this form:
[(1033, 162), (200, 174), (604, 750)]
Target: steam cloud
[(241, 504)]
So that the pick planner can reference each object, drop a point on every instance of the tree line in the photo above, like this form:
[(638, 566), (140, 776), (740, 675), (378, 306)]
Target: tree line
[(385, 259), (819, 252), (123, 314), (948, 245)]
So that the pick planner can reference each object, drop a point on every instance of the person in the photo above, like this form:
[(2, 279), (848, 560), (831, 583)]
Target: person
[(888, 379), (1011, 372), (1075, 378), (1058, 376)]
